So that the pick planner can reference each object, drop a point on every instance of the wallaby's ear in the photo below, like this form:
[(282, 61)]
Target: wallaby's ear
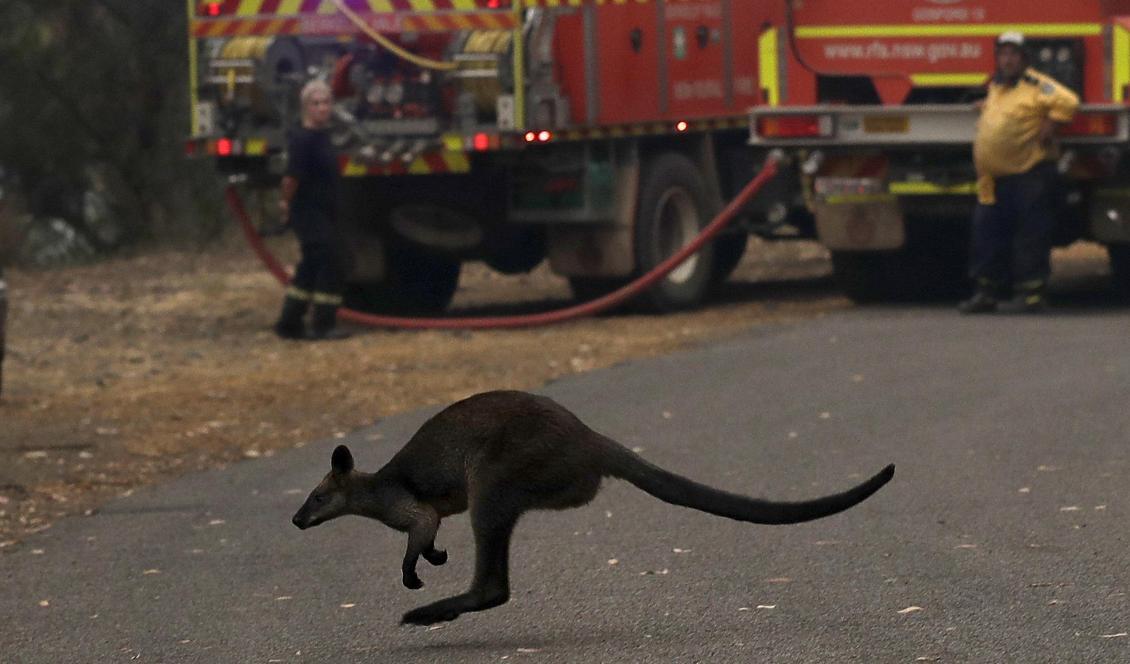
[(342, 460)]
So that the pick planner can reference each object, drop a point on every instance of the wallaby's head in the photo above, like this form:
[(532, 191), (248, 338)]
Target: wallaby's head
[(331, 498)]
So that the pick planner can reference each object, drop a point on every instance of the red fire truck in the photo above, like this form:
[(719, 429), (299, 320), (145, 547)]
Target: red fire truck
[(603, 134), (873, 100), (600, 135)]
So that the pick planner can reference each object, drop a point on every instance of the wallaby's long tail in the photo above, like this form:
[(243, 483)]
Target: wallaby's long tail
[(678, 490)]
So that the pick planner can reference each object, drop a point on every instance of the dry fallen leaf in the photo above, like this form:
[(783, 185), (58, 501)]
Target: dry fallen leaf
[(150, 572), (779, 579), (1024, 489), (1069, 508), (682, 550), (529, 649), (613, 561), (910, 609), (766, 606), (1113, 636), (347, 606)]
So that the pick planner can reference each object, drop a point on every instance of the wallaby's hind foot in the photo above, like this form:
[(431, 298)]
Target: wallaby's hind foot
[(451, 608), (436, 557)]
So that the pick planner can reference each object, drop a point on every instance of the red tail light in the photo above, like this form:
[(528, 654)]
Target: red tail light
[(224, 147), (794, 126), (209, 9), (1091, 124), (481, 141)]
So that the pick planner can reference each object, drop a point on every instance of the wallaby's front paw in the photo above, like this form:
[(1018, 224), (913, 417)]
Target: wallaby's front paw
[(436, 556), (428, 615), (413, 582)]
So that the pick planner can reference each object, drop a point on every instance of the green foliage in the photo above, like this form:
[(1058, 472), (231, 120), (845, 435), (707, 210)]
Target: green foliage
[(93, 97)]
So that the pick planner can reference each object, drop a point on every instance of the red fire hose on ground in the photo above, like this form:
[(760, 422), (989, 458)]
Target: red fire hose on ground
[(613, 299)]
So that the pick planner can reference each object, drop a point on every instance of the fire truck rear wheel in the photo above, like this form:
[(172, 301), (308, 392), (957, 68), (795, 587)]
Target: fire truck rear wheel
[(673, 209), (418, 282)]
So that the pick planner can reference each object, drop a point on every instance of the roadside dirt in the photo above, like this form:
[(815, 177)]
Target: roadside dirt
[(132, 371)]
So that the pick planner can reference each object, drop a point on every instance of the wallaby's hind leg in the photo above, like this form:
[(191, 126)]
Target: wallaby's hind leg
[(421, 541), (491, 586)]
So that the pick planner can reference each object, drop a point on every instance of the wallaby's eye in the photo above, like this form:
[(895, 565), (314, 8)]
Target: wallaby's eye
[(320, 498)]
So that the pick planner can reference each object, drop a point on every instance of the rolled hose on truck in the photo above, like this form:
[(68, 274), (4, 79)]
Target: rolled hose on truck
[(613, 299)]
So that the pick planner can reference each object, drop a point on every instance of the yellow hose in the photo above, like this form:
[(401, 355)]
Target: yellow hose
[(426, 63)]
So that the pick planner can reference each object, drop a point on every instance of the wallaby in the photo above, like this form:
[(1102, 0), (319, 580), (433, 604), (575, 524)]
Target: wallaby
[(503, 453)]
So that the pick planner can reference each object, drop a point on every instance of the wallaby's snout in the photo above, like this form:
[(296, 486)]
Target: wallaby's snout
[(328, 500)]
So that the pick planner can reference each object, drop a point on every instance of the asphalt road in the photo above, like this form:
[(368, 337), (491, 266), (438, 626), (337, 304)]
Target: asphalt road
[(1002, 537)]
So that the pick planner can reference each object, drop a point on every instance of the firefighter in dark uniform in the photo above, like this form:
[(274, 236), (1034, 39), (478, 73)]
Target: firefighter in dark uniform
[(308, 203), (1017, 180)]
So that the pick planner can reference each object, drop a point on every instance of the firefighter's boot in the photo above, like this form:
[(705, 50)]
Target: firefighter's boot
[(984, 300), (323, 323), (290, 324), (1030, 298)]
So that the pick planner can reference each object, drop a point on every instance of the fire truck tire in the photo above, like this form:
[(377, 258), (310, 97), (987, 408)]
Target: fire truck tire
[(1120, 268), (728, 252), (672, 210), (418, 282)]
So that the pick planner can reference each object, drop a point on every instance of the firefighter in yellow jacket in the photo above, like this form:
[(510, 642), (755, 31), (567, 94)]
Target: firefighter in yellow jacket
[(1017, 180)]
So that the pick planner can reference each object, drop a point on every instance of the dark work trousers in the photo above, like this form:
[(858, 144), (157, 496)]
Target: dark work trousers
[(1012, 238), (320, 275)]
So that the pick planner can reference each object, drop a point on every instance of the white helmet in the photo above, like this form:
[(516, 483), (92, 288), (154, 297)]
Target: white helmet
[(1011, 38)]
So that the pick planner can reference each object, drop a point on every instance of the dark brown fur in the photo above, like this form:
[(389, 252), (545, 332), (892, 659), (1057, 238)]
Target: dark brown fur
[(499, 454)]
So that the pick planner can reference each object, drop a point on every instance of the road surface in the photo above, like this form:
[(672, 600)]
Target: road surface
[(1003, 536)]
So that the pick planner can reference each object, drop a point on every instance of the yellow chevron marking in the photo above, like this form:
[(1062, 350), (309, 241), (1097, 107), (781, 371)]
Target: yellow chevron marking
[(381, 6), (457, 162), (463, 5), (289, 6), (246, 28), (422, 5), (419, 167), (327, 7), (432, 22), (353, 169), (248, 7), (276, 26)]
